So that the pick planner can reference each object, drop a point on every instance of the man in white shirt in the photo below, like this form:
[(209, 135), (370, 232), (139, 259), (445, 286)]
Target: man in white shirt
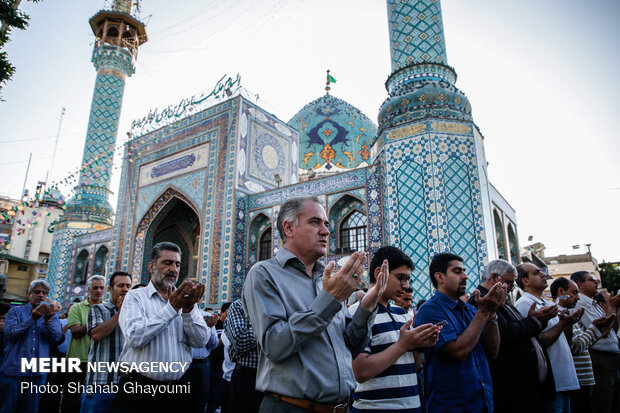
[(160, 324), (534, 281), (605, 353)]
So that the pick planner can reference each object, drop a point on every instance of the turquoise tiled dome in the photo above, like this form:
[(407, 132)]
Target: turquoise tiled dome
[(333, 135)]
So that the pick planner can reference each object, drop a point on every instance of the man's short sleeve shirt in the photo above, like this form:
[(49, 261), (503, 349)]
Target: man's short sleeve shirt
[(395, 388), (451, 386), (78, 347)]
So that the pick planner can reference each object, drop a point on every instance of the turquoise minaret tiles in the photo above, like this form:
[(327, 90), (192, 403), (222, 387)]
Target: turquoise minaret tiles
[(430, 148), (416, 33), (118, 35)]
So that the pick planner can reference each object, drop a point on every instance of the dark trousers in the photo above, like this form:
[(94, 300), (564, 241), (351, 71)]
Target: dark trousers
[(215, 390), (225, 405), (243, 395), (606, 391), (72, 401), (581, 400), (13, 400), (198, 376), (50, 402), (175, 396)]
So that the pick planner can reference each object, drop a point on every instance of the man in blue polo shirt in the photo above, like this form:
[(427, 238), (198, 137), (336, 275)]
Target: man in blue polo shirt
[(456, 372), (385, 370)]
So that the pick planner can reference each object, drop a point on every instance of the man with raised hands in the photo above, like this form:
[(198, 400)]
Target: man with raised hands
[(306, 337)]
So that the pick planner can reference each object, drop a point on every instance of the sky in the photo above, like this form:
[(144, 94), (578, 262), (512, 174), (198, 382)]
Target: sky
[(541, 77)]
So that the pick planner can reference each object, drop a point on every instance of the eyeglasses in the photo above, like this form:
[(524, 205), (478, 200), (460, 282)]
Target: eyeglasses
[(404, 279), (507, 282)]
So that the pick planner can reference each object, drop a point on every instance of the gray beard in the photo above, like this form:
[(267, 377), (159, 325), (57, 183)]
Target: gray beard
[(163, 283)]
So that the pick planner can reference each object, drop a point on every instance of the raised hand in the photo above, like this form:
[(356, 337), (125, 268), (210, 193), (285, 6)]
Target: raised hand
[(119, 302), (613, 303), (576, 315), (38, 312), (346, 280), (425, 335), (49, 313), (185, 296), (544, 314), (495, 298), (371, 298), (604, 323), (566, 320), (212, 320)]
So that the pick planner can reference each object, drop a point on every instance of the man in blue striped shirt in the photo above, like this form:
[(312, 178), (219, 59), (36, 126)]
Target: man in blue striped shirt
[(385, 370)]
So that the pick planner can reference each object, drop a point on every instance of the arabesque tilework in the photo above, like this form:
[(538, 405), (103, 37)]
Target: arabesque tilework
[(416, 32)]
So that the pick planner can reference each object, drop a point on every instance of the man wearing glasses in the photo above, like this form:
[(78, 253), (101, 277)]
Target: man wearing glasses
[(459, 359), (534, 281), (385, 370), (605, 353), (522, 358)]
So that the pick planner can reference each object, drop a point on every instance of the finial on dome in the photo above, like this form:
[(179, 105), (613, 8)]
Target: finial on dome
[(329, 79)]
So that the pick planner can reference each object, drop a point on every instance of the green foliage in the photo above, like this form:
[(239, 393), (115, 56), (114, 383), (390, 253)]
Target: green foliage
[(610, 276), (11, 17)]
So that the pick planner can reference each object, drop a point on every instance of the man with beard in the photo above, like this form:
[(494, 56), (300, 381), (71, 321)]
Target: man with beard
[(456, 371), (160, 323), (80, 341)]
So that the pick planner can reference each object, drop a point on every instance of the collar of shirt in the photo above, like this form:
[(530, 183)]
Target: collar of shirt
[(448, 302), (586, 299), (537, 300), (284, 256), (152, 290)]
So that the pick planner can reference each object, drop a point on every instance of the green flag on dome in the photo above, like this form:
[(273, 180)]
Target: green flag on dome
[(330, 79)]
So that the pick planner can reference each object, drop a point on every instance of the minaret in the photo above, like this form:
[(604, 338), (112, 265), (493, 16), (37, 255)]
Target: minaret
[(430, 148), (118, 35)]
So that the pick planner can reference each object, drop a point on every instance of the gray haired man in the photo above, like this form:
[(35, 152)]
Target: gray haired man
[(306, 337), (522, 358), (29, 330), (80, 340)]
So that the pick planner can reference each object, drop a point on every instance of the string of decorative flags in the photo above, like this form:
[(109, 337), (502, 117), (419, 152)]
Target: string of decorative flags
[(95, 167)]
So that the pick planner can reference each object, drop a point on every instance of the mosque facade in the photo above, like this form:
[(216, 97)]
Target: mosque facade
[(213, 180)]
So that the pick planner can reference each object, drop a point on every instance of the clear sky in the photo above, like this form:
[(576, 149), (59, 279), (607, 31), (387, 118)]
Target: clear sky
[(541, 77)]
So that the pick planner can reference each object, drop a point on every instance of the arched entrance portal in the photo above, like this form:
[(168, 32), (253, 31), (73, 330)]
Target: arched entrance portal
[(176, 221)]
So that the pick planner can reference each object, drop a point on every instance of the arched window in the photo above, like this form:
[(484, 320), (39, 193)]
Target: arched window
[(100, 259), (112, 32), (264, 245), (259, 239), (353, 232), (499, 236), (81, 267), (512, 245)]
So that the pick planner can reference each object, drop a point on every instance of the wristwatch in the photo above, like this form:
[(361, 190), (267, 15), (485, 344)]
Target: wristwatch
[(494, 321)]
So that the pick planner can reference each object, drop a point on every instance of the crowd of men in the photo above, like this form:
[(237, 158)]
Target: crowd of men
[(303, 339)]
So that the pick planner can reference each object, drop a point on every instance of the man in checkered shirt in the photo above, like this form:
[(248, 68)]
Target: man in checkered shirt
[(105, 345)]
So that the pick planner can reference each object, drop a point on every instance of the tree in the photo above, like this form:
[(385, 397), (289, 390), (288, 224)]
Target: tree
[(11, 17), (610, 276)]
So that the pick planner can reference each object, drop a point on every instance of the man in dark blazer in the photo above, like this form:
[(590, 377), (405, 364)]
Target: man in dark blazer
[(521, 373)]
